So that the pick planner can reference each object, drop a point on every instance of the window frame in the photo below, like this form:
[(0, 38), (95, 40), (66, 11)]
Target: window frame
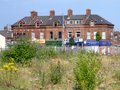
[(103, 35), (88, 35), (69, 34)]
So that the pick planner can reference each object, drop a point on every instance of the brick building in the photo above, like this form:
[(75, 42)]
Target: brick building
[(116, 40), (51, 27)]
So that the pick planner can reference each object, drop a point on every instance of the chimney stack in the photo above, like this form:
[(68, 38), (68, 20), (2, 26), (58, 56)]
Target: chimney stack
[(6, 29), (34, 14), (52, 13), (70, 12), (88, 12)]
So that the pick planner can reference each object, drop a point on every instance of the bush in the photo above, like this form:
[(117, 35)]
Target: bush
[(21, 52), (86, 70)]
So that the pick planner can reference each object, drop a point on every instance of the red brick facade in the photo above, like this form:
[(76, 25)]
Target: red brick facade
[(85, 26)]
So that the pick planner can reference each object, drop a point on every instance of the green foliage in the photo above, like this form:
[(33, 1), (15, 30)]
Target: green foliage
[(98, 37), (46, 53), (22, 51), (56, 73), (71, 41), (86, 70), (53, 43)]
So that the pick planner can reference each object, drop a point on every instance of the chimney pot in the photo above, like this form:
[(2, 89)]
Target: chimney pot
[(70, 12), (52, 13), (34, 14), (88, 12)]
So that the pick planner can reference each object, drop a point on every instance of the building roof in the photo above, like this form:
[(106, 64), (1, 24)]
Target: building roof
[(47, 20), (6, 34)]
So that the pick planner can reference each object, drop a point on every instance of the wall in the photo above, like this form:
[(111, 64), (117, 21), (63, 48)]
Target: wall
[(2, 42)]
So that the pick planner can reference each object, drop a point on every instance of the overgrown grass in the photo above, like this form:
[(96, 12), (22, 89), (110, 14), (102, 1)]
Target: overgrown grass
[(44, 73)]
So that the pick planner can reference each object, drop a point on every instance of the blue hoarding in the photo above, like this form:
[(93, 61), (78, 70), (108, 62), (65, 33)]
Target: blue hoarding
[(104, 43), (91, 43), (97, 43)]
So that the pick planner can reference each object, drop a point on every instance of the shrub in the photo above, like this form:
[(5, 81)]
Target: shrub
[(21, 52), (86, 70)]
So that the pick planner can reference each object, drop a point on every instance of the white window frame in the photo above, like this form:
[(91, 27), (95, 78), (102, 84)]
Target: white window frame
[(95, 35), (103, 35), (41, 35), (68, 22), (92, 24), (88, 35), (33, 35), (71, 21), (77, 21)]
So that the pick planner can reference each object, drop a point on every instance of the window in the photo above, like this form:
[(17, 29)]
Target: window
[(55, 23), (69, 34), (70, 22), (92, 24), (103, 35), (95, 35), (88, 35), (51, 35), (77, 21), (41, 35), (77, 34), (33, 35), (38, 23), (21, 23), (60, 35)]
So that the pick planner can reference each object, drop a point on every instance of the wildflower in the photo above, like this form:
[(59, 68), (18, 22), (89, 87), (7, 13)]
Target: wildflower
[(6, 67), (1, 69), (10, 64), (15, 69)]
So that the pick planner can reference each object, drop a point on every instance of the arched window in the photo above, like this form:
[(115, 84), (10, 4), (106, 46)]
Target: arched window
[(21, 23), (38, 23)]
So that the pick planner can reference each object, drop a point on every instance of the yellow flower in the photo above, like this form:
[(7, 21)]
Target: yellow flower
[(10, 64), (15, 69), (1, 69), (6, 67)]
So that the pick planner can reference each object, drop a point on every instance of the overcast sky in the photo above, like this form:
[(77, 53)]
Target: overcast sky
[(13, 10)]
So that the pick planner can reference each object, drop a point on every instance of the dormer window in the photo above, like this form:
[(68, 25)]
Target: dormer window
[(77, 21), (21, 23), (55, 23), (70, 22), (92, 23), (38, 23)]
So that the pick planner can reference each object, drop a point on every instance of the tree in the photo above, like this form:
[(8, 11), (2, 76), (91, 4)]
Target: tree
[(98, 37), (71, 41)]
